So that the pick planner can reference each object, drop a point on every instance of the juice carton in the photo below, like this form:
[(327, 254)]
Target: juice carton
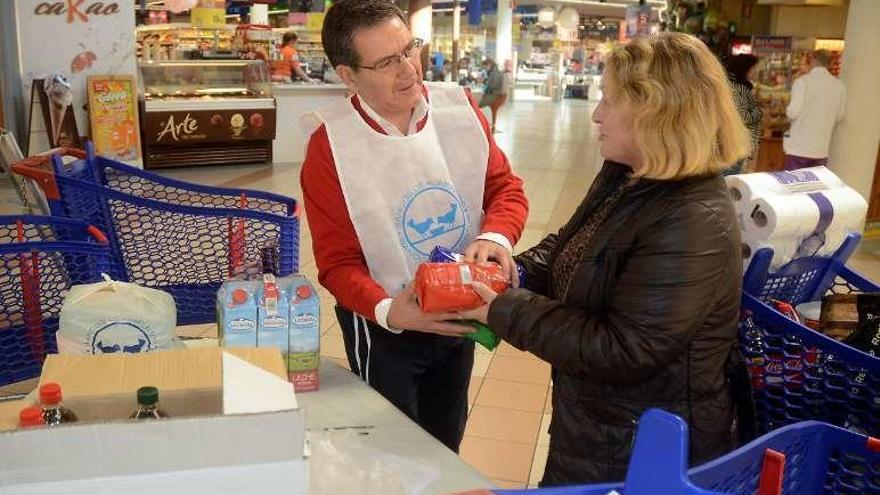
[(237, 314), (305, 333), (273, 315)]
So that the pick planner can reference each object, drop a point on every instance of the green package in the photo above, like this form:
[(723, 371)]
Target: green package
[(483, 336)]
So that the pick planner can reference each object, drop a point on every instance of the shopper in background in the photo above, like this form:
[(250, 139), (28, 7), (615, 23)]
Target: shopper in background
[(739, 71), (818, 102), (389, 173), (635, 302), (494, 87), (288, 66)]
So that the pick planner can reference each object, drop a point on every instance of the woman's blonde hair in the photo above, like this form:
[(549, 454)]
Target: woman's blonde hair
[(684, 118)]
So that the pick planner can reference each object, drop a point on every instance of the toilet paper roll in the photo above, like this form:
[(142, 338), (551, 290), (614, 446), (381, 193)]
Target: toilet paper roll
[(747, 187), (800, 215), (783, 251)]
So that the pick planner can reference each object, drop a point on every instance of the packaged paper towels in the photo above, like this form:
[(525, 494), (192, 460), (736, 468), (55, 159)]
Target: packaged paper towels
[(111, 317)]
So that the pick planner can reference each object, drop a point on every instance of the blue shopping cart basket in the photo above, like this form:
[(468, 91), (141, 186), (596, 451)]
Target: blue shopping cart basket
[(807, 458), (799, 374), (40, 259), (185, 239)]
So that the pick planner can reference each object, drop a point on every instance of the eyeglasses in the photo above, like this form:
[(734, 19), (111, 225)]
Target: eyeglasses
[(392, 62)]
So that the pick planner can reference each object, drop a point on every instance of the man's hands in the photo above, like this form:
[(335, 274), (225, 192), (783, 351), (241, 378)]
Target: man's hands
[(406, 314), (482, 250)]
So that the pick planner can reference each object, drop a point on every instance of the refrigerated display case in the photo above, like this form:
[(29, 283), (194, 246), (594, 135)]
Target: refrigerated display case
[(206, 112)]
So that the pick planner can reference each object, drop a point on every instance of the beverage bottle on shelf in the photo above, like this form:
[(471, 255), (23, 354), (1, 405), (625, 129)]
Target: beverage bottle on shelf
[(30, 417), (53, 412), (148, 404)]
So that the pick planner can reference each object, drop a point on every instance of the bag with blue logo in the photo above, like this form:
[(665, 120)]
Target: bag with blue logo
[(112, 317)]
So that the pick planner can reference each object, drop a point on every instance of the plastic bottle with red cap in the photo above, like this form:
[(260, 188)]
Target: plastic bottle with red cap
[(53, 412), (30, 417)]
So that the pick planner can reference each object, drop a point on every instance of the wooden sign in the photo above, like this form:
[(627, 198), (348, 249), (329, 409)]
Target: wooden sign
[(114, 117)]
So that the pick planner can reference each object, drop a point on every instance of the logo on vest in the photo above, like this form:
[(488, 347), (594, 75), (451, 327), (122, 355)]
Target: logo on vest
[(432, 214), (121, 336)]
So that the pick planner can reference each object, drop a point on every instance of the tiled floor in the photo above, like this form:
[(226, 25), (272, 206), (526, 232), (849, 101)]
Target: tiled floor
[(553, 147)]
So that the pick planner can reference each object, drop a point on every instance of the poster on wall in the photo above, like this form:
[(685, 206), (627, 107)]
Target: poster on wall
[(77, 39), (114, 118)]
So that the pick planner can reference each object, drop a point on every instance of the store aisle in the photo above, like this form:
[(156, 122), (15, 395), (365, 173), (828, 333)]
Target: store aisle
[(553, 147)]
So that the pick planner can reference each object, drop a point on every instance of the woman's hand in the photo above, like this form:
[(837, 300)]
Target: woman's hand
[(481, 251), (480, 314)]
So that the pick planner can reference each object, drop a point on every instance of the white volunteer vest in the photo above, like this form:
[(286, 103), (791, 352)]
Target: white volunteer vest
[(408, 194)]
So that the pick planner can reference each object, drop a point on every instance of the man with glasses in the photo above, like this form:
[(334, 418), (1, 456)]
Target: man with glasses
[(391, 172)]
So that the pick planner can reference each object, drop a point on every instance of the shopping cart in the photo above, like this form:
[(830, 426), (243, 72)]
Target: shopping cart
[(799, 374), (183, 238), (816, 458), (40, 259), (807, 458)]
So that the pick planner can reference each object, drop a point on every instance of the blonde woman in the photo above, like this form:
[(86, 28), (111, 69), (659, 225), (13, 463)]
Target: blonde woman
[(635, 301)]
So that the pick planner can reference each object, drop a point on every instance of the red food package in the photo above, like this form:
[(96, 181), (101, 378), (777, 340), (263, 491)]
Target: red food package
[(786, 309), (446, 286)]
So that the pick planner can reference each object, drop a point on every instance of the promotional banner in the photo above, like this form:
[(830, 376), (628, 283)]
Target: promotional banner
[(114, 117), (76, 39)]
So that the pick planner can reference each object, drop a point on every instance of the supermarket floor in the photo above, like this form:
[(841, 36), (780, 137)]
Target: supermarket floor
[(553, 147)]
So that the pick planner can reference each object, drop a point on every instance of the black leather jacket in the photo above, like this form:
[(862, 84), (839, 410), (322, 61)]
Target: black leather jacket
[(648, 321)]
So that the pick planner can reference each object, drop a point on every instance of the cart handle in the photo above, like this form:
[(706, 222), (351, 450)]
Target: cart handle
[(44, 159)]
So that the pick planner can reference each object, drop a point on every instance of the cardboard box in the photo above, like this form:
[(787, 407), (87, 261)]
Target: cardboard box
[(235, 428)]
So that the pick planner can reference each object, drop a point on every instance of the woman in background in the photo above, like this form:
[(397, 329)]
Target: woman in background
[(739, 71)]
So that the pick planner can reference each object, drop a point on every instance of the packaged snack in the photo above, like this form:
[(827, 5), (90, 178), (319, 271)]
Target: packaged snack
[(484, 336), (447, 286), (786, 309), (442, 255), (839, 317)]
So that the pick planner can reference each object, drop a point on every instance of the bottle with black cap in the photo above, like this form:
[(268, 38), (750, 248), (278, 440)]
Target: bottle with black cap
[(148, 404)]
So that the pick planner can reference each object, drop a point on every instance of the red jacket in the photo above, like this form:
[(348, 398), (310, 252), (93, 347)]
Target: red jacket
[(342, 268)]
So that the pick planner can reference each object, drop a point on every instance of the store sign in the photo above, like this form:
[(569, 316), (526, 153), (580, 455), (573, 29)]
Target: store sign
[(770, 44), (209, 126), (185, 128), (157, 17), (76, 9)]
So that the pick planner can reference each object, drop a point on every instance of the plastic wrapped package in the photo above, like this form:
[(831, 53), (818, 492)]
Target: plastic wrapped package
[(447, 286), (341, 463)]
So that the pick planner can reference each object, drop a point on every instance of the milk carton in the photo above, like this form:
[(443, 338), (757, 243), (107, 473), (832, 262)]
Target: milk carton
[(305, 333), (273, 315), (237, 314)]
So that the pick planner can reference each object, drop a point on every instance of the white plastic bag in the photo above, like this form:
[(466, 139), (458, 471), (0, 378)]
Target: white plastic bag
[(111, 317), (341, 463)]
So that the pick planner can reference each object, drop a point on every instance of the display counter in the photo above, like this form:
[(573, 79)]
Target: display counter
[(292, 101), (206, 112)]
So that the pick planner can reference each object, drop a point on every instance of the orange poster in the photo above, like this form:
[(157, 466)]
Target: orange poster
[(114, 118)]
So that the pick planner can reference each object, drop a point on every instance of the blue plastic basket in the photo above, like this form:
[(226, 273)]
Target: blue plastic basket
[(182, 238), (819, 459), (40, 259), (657, 466), (799, 374)]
